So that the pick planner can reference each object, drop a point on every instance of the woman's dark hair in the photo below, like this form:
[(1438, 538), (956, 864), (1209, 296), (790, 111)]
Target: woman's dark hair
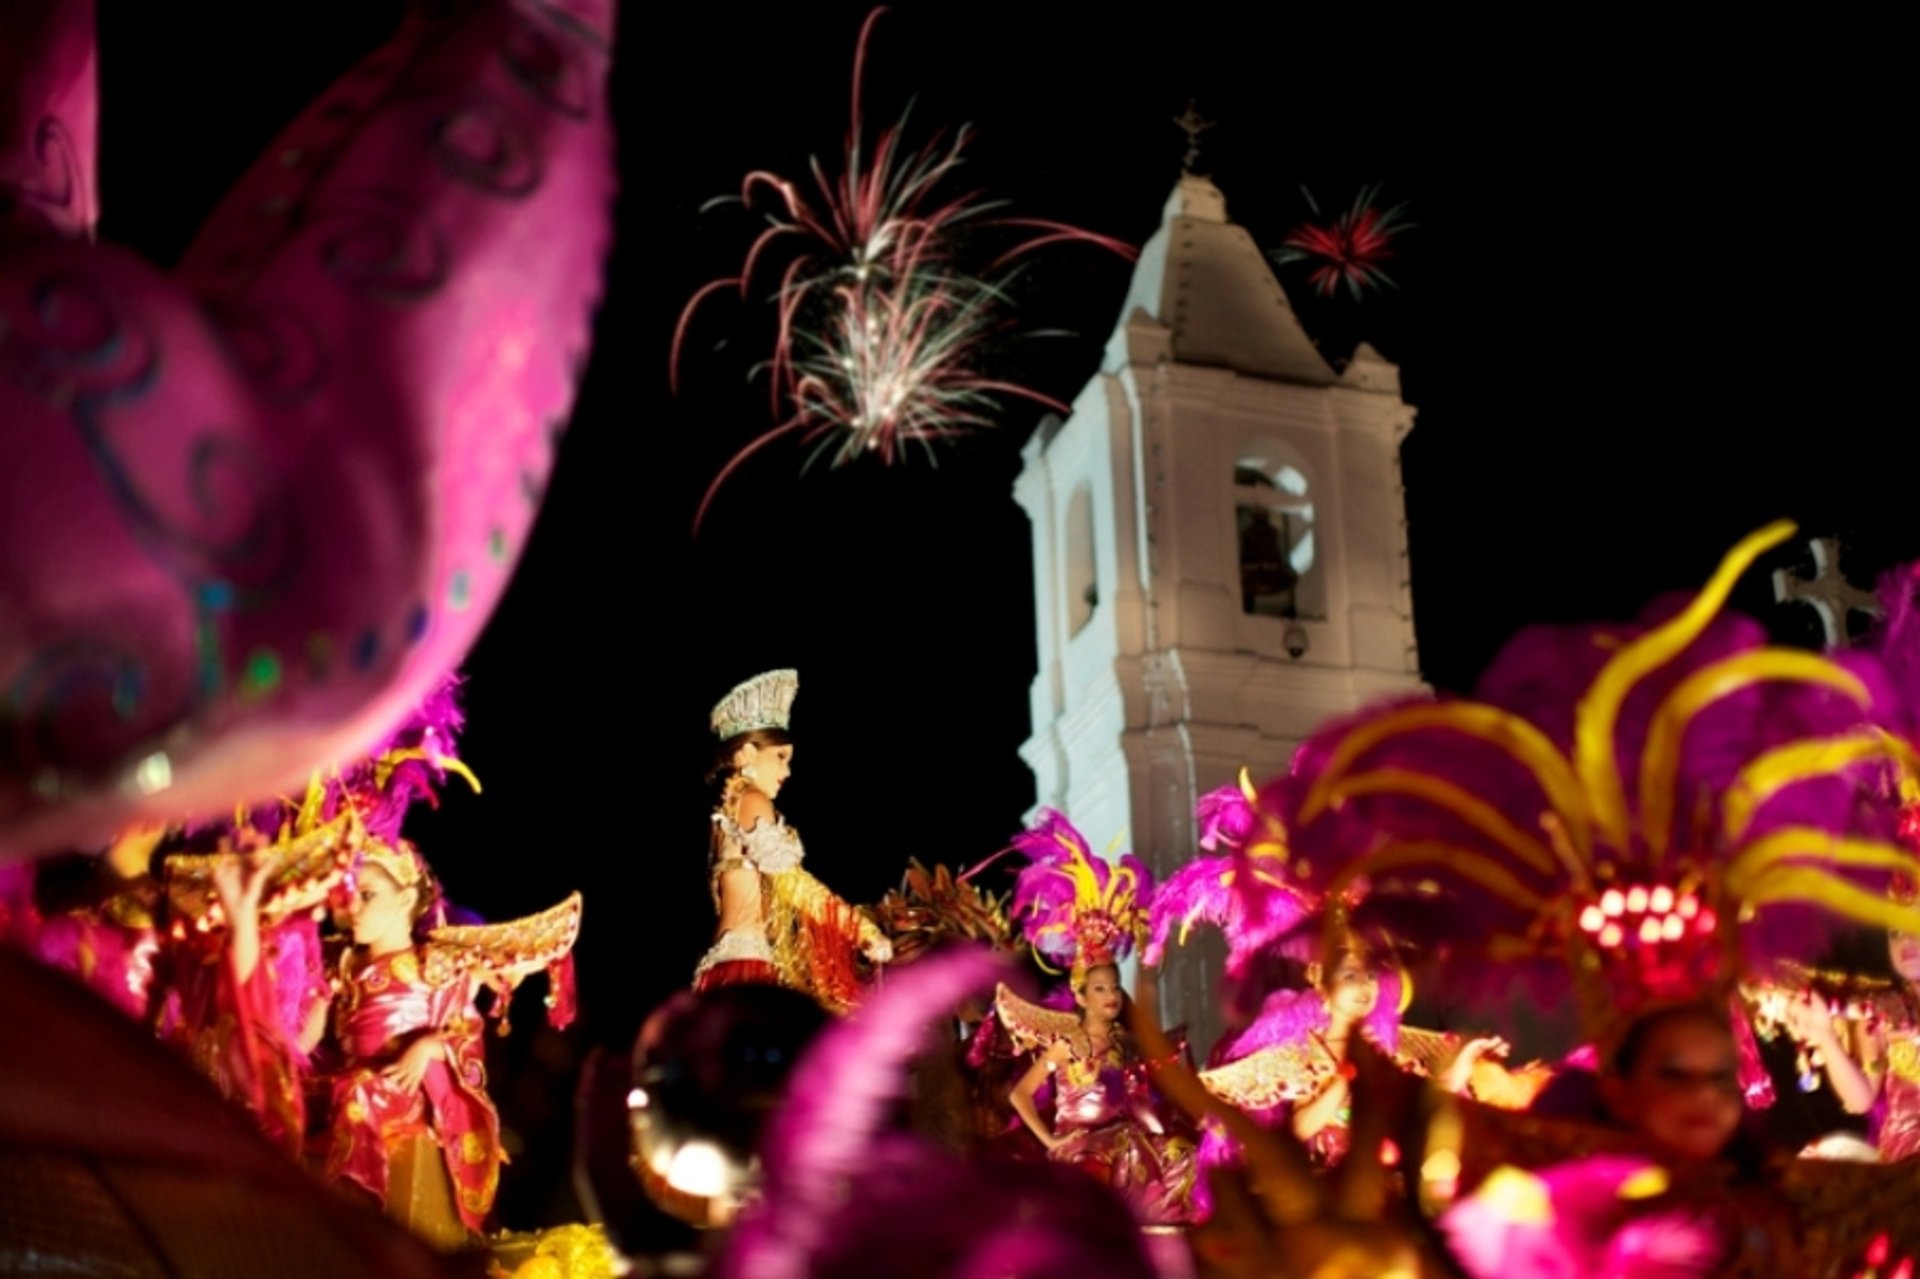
[(1634, 1042), (722, 764), (1748, 1150)]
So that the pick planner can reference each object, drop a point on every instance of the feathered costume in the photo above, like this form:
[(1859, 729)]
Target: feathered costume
[(1081, 912), (1282, 1059), (1652, 812), (247, 1033), (392, 1141)]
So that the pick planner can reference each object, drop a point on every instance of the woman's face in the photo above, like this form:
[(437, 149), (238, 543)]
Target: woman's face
[(1353, 988), (766, 767), (1100, 994), (382, 911), (1904, 950), (1682, 1088)]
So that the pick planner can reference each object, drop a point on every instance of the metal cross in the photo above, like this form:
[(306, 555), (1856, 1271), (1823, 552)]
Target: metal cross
[(1830, 594), (1193, 126)]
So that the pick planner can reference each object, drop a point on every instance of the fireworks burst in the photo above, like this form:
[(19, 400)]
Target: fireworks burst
[(1350, 249), (880, 326)]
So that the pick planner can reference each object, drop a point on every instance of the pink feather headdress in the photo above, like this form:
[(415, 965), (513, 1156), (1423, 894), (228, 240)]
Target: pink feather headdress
[(1078, 910), (1652, 808)]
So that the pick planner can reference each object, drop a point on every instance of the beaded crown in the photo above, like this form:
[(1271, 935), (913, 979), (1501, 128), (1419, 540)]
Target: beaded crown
[(765, 701)]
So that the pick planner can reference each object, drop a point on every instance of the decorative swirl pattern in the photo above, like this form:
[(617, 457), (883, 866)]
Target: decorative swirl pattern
[(545, 67), (374, 245), (481, 146), (277, 347), (82, 684), (62, 196), (74, 345), (63, 338)]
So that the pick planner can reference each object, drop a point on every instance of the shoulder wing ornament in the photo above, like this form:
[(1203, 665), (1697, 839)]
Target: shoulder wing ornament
[(1028, 1024), (506, 953)]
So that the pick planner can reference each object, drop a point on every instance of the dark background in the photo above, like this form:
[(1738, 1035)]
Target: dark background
[(1656, 296)]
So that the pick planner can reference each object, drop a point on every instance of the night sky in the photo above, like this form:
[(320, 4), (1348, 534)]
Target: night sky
[(1654, 298)]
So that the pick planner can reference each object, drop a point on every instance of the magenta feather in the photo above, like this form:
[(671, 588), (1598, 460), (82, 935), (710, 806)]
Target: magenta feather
[(1046, 894), (433, 727), (1229, 893), (1895, 643), (1224, 817), (1587, 1230), (1542, 675)]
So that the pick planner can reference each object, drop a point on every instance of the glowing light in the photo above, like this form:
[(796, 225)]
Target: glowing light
[(1637, 900), (698, 1168), (1706, 921), (1645, 1184), (153, 774), (1672, 927), (1611, 936), (1649, 930), (1613, 901), (1689, 906), (1591, 919), (1660, 901), (1389, 1154), (638, 1099)]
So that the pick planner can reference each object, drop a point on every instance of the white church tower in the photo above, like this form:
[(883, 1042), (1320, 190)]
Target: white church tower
[(1219, 553)]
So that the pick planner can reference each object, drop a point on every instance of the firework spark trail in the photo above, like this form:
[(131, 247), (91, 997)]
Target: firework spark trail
[(879, 327), (1351, 249)]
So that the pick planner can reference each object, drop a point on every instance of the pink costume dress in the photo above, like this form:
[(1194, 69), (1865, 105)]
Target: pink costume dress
[(385, 1005), (1107, 1116), (389, 1140)]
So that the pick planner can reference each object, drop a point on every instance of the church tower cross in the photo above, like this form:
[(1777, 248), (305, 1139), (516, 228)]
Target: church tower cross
[(1829, 592), (1191, 124)]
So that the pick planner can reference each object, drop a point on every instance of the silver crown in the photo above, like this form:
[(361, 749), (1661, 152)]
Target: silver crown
[(765, 701)]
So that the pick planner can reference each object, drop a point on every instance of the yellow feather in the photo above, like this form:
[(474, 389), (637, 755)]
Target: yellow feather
[(1476, 866), (1514, 736), (1783, 766), (1660, 763), (1469, 808), (1842, 896), (1599, 710), (1776, 847)]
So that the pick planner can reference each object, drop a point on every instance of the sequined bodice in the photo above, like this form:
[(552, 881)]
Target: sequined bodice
[(1091, 1089)]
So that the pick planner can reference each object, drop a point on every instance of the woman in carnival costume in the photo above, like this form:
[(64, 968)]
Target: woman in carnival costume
[(1084, 915), (1868, 1046), (777, 923), (411, 1122), (1290, 1063), (248, 985), (1652, 812)]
